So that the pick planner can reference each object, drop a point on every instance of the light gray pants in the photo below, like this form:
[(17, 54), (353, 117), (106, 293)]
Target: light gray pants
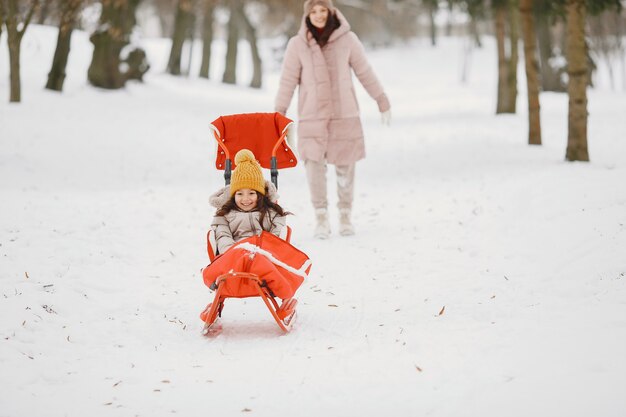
[(316, 176)]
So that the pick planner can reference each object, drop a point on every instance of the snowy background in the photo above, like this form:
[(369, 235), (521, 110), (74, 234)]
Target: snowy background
[(486, 277)]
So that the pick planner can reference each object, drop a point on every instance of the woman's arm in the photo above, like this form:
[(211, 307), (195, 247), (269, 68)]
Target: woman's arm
[(365, 73), (290, 77)]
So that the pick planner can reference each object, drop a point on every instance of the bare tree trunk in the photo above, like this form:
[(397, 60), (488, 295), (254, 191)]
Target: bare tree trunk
[(532, 68), (2, 18), (69, 13), (620, 49), (473, 28), (181, 28), (207, 37), (511, 104), (578, 81), (550, 78), (432, 10), (257, 71), (191, 34), (116, 23), (230, 70), (44, 11), (15, 32), (14, 69), (603, 32), (500, 19), (476, 12), (507, 64)]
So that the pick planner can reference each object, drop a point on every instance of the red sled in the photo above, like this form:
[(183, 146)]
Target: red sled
[(263, 266)]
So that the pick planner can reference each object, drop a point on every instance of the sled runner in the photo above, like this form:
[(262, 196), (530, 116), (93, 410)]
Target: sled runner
[(262, 266)]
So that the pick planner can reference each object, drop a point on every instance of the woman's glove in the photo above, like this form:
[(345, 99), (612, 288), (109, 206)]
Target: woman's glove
[(386, 117)]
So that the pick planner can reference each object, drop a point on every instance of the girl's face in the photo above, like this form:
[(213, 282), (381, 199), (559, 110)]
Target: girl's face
[(318, 16), (246, 199)]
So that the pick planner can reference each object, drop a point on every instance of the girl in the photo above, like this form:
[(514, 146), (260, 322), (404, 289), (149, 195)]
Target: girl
[(246, 207), (320, 60)]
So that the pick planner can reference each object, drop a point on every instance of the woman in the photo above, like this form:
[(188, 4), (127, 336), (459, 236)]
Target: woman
[(320, 60)]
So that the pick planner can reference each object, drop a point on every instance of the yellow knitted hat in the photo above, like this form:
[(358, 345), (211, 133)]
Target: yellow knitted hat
[(247, 173)]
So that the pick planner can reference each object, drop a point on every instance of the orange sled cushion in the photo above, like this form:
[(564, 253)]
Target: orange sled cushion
[(282, 266), (258, 132)]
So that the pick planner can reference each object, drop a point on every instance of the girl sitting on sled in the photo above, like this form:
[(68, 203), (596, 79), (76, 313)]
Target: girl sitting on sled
[(247, 228), (246, 207)]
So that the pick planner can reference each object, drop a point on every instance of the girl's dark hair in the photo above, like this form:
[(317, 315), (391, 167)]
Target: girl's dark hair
[(322, 36), (263, 205)]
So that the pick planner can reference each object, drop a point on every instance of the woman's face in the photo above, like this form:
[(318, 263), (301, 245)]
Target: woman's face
[(318, 16), (246, 199)]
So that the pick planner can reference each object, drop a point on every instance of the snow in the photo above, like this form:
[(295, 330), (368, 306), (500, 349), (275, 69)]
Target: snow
[(487, 277)]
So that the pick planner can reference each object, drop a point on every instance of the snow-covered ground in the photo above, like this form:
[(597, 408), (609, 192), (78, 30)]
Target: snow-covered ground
[(103, 214)]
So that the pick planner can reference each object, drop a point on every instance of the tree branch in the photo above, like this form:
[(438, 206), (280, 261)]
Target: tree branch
[(29, 16)]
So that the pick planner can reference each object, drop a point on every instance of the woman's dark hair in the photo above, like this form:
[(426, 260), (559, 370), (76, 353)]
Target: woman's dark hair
[(263, 205), (322, 36)]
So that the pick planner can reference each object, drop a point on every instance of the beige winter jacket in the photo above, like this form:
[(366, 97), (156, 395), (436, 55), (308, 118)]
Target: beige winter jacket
[(237, 225), (329, 127)]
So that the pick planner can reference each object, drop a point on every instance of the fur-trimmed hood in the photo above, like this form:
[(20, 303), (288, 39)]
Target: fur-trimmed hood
[(343, 28), (221, 196)]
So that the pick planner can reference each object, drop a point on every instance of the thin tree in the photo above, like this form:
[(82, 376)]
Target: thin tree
[(257, 71), (578, 80), (605, 38), (16, 23), (44, 11), (184, 15), (513, 14), (546, 14), (67, 22), (506, 24), (230, 69), (432, 7), (207, 37), (191, 35), (1, 16), (476, 11), (532, 67)]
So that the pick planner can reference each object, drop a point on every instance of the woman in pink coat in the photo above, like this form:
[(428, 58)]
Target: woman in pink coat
[(320, 60)]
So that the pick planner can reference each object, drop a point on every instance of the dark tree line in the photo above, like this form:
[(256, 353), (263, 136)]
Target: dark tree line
[(238, 26), (549, 30), (538, 17)]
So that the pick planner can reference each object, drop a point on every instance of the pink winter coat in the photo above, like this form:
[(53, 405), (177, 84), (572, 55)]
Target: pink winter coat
[(329, 127)]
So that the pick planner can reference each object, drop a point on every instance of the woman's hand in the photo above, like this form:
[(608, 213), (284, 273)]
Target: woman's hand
[(385, 117)]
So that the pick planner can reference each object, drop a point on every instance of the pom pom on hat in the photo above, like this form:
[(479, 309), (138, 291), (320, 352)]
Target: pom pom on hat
[(247, 173), (244, 155), (308, 5)]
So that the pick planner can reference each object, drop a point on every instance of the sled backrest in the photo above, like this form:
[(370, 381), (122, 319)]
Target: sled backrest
[(262, 133)]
